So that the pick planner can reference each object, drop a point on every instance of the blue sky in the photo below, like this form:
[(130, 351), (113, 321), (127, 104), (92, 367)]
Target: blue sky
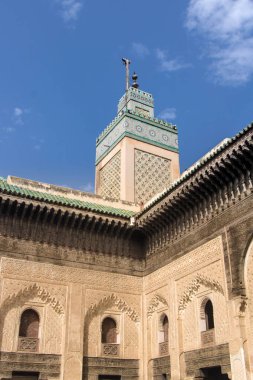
[(61, 77)]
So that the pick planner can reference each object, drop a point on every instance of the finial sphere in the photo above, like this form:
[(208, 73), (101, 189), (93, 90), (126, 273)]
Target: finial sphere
[(135, 77)]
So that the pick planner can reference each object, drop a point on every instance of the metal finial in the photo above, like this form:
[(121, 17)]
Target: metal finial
[(126, 63), (135, 77)]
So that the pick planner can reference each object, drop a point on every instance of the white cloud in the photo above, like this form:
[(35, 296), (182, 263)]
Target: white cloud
[(168, 114), (140, 50), (167, 64), (37, 143), (18, 112), (227, 26), (70, 9), (18, 116), (8, 129), (88, 187)]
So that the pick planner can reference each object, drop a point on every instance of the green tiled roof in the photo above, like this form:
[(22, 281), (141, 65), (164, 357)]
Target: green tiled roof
[(61, 201)]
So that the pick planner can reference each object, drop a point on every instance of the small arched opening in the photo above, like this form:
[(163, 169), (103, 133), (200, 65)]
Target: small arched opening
[(163, 335), (207, 323), (28, 339), (109, 337), (209, 315)]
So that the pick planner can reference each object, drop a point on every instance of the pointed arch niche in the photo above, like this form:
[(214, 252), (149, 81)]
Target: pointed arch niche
[(157, 326), (113, 307), (16, 303), (197, 314)]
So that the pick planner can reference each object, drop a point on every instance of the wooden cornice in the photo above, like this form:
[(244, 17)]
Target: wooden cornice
[(223, 179), (42, 223)]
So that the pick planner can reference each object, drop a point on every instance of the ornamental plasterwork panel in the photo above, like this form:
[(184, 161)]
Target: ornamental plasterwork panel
[(221, 318), (214, 268), (110, 177), (249, 289), (154, 304), (193, 288), (190, 328), (7, 330), (131, 339), (110, 139), (97, 280), (137, 96), (16, 293), (188, 265), (140, 129), (53, 332), (105, 304), (152, 133), (93, 296), (152, 175)]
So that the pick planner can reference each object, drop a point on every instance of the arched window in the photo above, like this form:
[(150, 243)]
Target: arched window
[(109, 331), (29, 331), (163, 336), (207, 323), (29, 324), (209, 315), (165, 328)]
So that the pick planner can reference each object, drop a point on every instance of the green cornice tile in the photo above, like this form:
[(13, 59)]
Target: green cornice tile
[(61, 201)]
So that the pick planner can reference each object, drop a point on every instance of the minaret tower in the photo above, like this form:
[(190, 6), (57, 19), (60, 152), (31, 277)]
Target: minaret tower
[(137, 154)]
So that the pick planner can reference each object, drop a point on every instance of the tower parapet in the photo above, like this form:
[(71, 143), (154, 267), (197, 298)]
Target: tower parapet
[(137, 100)]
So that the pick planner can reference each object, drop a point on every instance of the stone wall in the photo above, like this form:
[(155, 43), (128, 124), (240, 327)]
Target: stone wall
[(71, 303), (73, 300), (178, 289)]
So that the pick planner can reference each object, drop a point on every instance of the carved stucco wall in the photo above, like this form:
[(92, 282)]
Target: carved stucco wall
[(197, 274), (192, 262), (192, 321), (157, 305), (48, 301), (125, 309), (127, 303), (110, 177), (151, 175), (249, 302), (190, 328), (55, 275), (52, 293), (208, 282)]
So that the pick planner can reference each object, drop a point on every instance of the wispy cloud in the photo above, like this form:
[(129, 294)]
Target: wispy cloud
[(88, 187), (8, 129), (14, 118), (140, 50), (168, 114), (37, 143), (70, 9), (18, 115), (167, 64), (227, 26)]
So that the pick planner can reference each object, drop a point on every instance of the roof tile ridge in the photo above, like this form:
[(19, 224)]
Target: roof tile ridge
[(61, 200)]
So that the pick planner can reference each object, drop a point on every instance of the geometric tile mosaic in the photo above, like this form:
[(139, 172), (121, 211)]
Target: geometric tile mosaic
[(152, 175), (110, 177)]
